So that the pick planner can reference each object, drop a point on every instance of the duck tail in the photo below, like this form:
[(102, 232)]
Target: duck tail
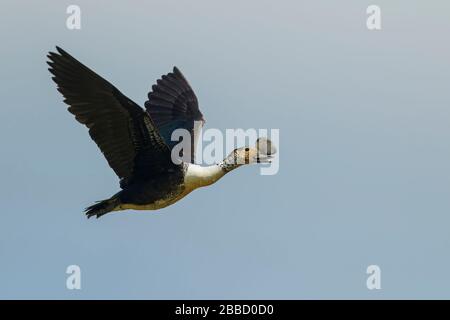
[(102, 207)]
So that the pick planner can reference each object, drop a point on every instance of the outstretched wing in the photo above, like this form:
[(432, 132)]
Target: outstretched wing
[(123, 131), (172, 105)]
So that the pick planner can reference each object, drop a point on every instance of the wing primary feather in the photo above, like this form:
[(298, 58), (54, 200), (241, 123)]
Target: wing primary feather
[(122, 130)]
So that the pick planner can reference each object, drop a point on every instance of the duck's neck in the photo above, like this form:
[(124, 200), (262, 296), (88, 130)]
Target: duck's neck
[(199, 176)]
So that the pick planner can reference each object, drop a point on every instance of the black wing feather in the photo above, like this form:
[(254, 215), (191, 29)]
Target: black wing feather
[(172, 104), (123, 131)]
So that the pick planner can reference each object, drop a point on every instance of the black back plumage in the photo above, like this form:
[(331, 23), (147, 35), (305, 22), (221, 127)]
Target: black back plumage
[(123, 131)]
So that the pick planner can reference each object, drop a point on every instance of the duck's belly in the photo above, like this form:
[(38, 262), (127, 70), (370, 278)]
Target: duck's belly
[(165, 191), (157, 204)]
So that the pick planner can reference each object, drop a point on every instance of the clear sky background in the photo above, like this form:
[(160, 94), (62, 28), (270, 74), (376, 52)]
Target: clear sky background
[(364, 119)]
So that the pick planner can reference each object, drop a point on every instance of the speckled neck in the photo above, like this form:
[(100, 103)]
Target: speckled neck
[(230, 162)]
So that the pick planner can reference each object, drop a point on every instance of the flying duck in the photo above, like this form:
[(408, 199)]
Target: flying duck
[(136, 142)]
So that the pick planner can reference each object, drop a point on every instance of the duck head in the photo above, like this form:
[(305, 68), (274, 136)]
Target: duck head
[(262, 152)]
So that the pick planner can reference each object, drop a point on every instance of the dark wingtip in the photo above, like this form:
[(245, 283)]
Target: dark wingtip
[(60, 51), (50, 56), (178, 74)]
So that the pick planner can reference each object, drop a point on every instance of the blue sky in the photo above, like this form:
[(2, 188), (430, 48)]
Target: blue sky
[(364, 151)]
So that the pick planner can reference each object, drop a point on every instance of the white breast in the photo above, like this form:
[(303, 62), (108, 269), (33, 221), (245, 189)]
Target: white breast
[(199, 176)]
